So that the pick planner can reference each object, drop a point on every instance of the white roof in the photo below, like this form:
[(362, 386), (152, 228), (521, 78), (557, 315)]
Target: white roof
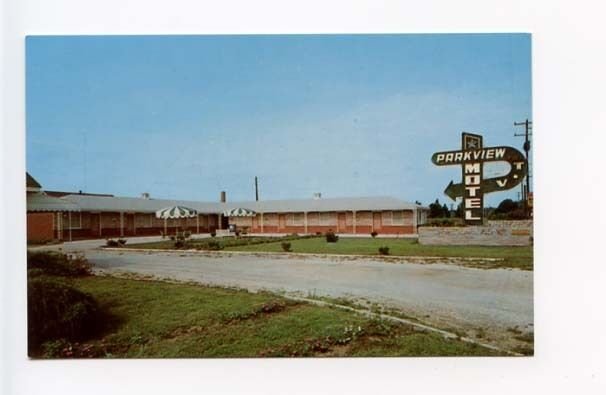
[(42, 202), (128, 204)]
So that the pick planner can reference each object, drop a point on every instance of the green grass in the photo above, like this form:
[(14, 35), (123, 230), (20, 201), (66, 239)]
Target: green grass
[(154, 319), (516, 257)]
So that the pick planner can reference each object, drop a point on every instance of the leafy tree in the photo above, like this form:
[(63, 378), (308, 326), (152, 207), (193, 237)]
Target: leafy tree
[(435, 210), (445, 211), (507, 206)]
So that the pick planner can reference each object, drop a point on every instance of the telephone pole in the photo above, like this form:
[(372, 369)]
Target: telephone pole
[(256, 190), (527, 132)]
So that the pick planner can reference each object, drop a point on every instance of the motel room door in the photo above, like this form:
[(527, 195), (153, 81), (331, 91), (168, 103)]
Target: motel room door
[(341, 223), (129, 222), (95, 224), (376, 221)]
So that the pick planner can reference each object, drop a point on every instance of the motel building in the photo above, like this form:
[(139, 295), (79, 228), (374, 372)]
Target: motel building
[(57, 215)]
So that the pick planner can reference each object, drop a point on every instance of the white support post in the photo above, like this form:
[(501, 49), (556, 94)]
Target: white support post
[(305, 217), (415, 213), (69, 219), (354, 222), (262, 222)]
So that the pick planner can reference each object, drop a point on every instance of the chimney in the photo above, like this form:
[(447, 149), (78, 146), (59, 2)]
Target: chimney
[(145, 195), (223, 197), (317, 196)]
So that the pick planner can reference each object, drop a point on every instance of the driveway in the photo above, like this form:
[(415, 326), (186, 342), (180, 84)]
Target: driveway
[(441, 294)]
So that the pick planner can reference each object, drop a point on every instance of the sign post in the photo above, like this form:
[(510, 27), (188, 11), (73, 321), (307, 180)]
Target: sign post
[(471, 158)]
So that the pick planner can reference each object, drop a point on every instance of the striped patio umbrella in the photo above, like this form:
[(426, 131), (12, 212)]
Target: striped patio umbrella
[(239, 212), (175, 212)]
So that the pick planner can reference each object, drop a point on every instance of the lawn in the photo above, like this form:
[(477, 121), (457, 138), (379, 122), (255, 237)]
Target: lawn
[(517, 257), (152, 319)]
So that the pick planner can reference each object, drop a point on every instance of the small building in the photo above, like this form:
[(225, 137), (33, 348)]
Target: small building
[(69, 216)]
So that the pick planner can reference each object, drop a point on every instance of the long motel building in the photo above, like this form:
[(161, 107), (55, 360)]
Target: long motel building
[(56, 215)]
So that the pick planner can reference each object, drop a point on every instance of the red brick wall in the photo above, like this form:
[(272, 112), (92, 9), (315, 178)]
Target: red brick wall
[(39, 227)]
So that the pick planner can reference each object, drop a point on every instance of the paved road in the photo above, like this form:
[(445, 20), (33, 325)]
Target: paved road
[(442, 294)]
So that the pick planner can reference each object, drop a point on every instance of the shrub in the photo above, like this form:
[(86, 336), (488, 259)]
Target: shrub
[(373, 234), (179, 244), (331, 237), (384, 250), (122, 241), (57, 311), (58, 264), (186, 234), (213, 233), (211, 245), (111, 243), (286, 246)]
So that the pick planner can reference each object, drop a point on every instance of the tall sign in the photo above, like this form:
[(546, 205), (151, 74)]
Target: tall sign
[(471, 158)]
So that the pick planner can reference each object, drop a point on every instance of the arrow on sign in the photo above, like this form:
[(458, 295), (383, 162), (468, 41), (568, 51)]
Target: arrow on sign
[(454, 190)]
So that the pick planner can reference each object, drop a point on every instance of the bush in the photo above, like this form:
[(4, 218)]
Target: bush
[(122, 242), (111, 243), (58, 264), (57, 311), (286, 246), (213, 233), (331, 237), (373, 234), (384, 250), (212, 245), (179, 244)]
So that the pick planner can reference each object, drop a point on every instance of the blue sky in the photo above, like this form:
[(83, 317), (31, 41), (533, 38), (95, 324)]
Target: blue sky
[(345, 115)]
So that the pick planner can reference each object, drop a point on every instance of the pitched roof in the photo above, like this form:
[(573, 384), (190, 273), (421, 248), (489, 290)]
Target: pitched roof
[(30, 182), (42, 202), (129, 204)]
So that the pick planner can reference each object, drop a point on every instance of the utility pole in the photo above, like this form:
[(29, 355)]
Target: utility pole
[(256, 190), (527, 132)]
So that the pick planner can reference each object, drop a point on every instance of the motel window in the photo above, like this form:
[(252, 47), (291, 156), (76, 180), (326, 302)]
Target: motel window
[(363, 218), (327, 219), (397, 218), (270, 219), (295, 219), (313, 219), (386, 218), (76, 222)]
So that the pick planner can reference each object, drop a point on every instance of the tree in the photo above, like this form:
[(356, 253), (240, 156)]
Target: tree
[(435, 210), (445, 211), (507, 206)]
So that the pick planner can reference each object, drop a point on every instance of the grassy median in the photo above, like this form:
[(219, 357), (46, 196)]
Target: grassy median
[(498, 256), (152, 319), (514, 257)]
